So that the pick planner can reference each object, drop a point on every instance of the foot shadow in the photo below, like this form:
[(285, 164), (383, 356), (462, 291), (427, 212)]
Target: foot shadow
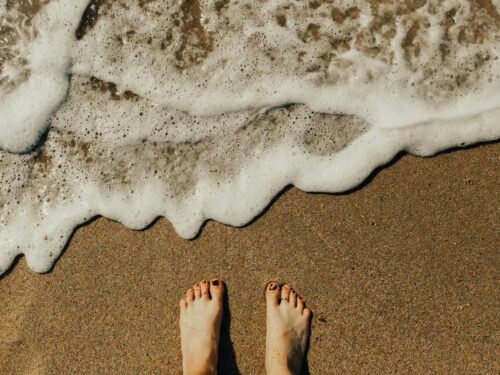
[(305, 363), (227, 358)]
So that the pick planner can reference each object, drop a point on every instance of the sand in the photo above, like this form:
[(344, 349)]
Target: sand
[(402, 275)]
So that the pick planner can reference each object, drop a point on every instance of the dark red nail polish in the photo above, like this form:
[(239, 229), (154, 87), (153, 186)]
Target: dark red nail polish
[(215, 282), (272, 286)]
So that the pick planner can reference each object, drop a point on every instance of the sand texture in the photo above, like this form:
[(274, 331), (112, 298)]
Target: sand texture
[(402, 276)]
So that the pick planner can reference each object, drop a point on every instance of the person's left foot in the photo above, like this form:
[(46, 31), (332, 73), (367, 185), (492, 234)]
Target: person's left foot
[(200, 320)]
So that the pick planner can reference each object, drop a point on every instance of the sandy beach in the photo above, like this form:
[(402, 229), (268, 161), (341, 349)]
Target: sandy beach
[(401, 274)]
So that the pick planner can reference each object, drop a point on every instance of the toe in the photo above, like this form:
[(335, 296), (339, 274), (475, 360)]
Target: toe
[(216, 289), (183, 304), (285, 293), (293, 297), (272, 294), (190, 296), (197, 291), (205, 289), (300, 303), (307, 313)]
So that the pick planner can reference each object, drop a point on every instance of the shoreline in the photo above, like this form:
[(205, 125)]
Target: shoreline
[(401, 274)]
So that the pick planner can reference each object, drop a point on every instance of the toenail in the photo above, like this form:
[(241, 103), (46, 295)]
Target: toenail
[(215, 282), (272, 286)]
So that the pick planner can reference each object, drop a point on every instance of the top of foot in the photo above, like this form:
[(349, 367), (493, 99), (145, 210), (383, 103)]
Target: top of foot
[(288, 327), (200, 320)]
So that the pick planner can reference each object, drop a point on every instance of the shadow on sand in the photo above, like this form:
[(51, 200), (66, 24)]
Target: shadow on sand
[(227, 357)]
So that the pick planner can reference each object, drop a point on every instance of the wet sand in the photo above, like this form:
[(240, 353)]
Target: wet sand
[(402, 276)]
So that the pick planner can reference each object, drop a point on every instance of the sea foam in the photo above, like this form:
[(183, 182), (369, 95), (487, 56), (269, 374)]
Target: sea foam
[(36, 38), (197, 110)]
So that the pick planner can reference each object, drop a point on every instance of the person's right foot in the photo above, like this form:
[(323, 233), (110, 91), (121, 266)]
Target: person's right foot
[(288, 322)]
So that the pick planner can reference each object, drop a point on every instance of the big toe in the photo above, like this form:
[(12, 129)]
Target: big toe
[(272, 294), (216, 289)]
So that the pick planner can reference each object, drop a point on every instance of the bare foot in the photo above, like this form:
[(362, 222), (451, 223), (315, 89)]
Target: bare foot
[(200, 320), (288, 323)]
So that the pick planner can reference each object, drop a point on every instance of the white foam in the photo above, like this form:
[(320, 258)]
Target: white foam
[(218, 84), (45, 46), (496, 3), (213, 124)]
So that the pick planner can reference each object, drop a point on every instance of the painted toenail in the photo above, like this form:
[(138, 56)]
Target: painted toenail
[(272, 286), (215, 282)]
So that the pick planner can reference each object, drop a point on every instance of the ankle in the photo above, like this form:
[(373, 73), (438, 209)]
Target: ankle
[(280, 370), (200, 366), (195, 369)]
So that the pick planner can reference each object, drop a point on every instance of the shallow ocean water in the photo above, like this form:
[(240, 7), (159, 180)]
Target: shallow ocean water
[(197, 110)]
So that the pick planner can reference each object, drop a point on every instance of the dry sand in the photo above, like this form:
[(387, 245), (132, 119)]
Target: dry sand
[(402, 275)]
